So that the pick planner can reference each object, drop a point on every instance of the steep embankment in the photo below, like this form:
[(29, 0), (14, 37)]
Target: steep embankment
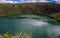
[(49, 9)]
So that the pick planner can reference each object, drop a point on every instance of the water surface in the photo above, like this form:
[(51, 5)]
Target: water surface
[(37, 26)]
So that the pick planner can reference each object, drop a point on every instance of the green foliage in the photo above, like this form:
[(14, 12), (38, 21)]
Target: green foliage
[(53, 22), (49, 9), (18, 35)]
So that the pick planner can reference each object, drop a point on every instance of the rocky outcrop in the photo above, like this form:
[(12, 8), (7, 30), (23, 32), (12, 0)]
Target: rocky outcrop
[(49, 9), (58, 36)]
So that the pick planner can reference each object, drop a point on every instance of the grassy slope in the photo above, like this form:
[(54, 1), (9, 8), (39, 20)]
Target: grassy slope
[(49, 9)]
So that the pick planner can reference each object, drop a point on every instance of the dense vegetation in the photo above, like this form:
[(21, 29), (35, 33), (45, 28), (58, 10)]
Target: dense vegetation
[(18, 35), (50, 9)]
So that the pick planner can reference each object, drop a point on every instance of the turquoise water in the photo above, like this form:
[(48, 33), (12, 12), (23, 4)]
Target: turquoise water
[(37, 26)]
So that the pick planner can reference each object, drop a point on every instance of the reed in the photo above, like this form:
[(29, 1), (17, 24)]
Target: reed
[(17, 35)]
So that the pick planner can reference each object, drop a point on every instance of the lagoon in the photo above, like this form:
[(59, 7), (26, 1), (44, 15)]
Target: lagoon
[(36, 26)]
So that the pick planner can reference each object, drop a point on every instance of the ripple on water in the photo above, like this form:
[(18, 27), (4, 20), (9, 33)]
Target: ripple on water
[(40, 27)]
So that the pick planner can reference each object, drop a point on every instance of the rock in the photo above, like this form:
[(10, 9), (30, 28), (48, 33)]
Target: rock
[(58, 36)]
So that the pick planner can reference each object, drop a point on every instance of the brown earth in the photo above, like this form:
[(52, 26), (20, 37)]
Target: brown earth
[(49, 9), (58, 36)]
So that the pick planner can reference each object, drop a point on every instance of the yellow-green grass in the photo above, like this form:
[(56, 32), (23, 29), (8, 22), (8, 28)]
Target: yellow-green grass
[(17, 35)]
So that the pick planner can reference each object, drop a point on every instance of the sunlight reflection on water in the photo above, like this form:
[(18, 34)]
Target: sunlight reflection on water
[(37, 27)]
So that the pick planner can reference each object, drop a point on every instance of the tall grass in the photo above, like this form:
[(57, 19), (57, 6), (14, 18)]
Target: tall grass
[(17, 35)]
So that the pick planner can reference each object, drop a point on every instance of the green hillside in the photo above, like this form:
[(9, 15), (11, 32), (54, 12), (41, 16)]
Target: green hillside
[(49, 9)]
